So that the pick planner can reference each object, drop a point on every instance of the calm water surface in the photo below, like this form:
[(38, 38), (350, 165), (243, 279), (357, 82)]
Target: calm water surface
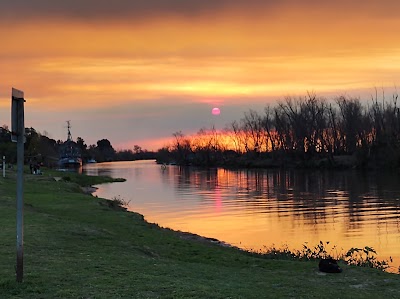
[(254, 209)]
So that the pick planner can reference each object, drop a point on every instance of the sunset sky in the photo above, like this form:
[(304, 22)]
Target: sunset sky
[(135, 72)]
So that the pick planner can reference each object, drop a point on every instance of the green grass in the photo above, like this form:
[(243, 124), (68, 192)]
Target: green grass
[(76, 246)]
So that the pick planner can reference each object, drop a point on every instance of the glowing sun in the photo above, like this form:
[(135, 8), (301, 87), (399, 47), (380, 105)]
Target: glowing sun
[(216, 111)]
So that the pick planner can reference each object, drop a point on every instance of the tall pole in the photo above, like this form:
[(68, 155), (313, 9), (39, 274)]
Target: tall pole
[(4, 166), (18, 135), (20, 208)]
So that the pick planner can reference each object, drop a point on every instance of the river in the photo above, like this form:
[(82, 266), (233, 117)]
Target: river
[(256, 209)]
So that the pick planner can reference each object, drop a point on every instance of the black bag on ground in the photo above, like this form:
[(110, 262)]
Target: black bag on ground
[(329, 265)]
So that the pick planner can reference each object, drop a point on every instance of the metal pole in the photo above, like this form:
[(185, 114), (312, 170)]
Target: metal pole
[(4, 166), (20, 208), (18, 135), (19, 126)]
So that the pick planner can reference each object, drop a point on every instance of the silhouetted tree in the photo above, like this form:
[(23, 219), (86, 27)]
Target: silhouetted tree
[(105, 151)]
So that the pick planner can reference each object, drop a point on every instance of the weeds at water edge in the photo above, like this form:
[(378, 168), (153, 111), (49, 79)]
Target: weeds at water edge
[(118, 203), (362, 257), (366, 257)]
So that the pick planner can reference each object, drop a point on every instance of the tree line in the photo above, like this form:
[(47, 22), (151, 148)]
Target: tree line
[(46, 150), (306, 131)]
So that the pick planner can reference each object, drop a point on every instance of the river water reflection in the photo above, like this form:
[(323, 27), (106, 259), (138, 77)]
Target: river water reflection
[(252, 209)]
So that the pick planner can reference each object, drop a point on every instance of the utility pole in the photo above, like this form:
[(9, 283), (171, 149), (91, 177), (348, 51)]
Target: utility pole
[(18, 136)]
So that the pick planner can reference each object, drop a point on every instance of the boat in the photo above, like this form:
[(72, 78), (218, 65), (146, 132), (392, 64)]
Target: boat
[(70, 155)]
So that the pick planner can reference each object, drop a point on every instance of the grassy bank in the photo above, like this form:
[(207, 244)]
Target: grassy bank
[(77, 246)]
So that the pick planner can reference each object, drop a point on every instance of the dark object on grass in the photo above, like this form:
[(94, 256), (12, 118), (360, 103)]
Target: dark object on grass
[(329, 265)]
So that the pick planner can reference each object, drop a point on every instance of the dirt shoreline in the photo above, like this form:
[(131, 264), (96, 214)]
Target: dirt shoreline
[(89, 189)]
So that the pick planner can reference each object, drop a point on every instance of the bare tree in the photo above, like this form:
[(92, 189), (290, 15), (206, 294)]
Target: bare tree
[(181, 147), (253, 128)]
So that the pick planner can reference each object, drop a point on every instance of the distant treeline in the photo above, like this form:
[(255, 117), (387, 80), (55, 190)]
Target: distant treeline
[(46, 150), (307, 131)]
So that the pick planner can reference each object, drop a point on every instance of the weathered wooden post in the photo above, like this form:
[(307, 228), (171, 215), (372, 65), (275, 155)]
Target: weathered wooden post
[(18, 136)]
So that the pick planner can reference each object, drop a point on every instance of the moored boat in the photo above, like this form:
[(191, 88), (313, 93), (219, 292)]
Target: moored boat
[(70, 154)]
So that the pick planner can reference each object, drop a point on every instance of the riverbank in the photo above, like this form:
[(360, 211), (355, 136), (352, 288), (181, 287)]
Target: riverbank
[(79, 246), (232, 160)]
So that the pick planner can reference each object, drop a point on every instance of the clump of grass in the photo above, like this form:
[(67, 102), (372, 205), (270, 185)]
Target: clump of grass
[(362, 257), (118, 203)]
